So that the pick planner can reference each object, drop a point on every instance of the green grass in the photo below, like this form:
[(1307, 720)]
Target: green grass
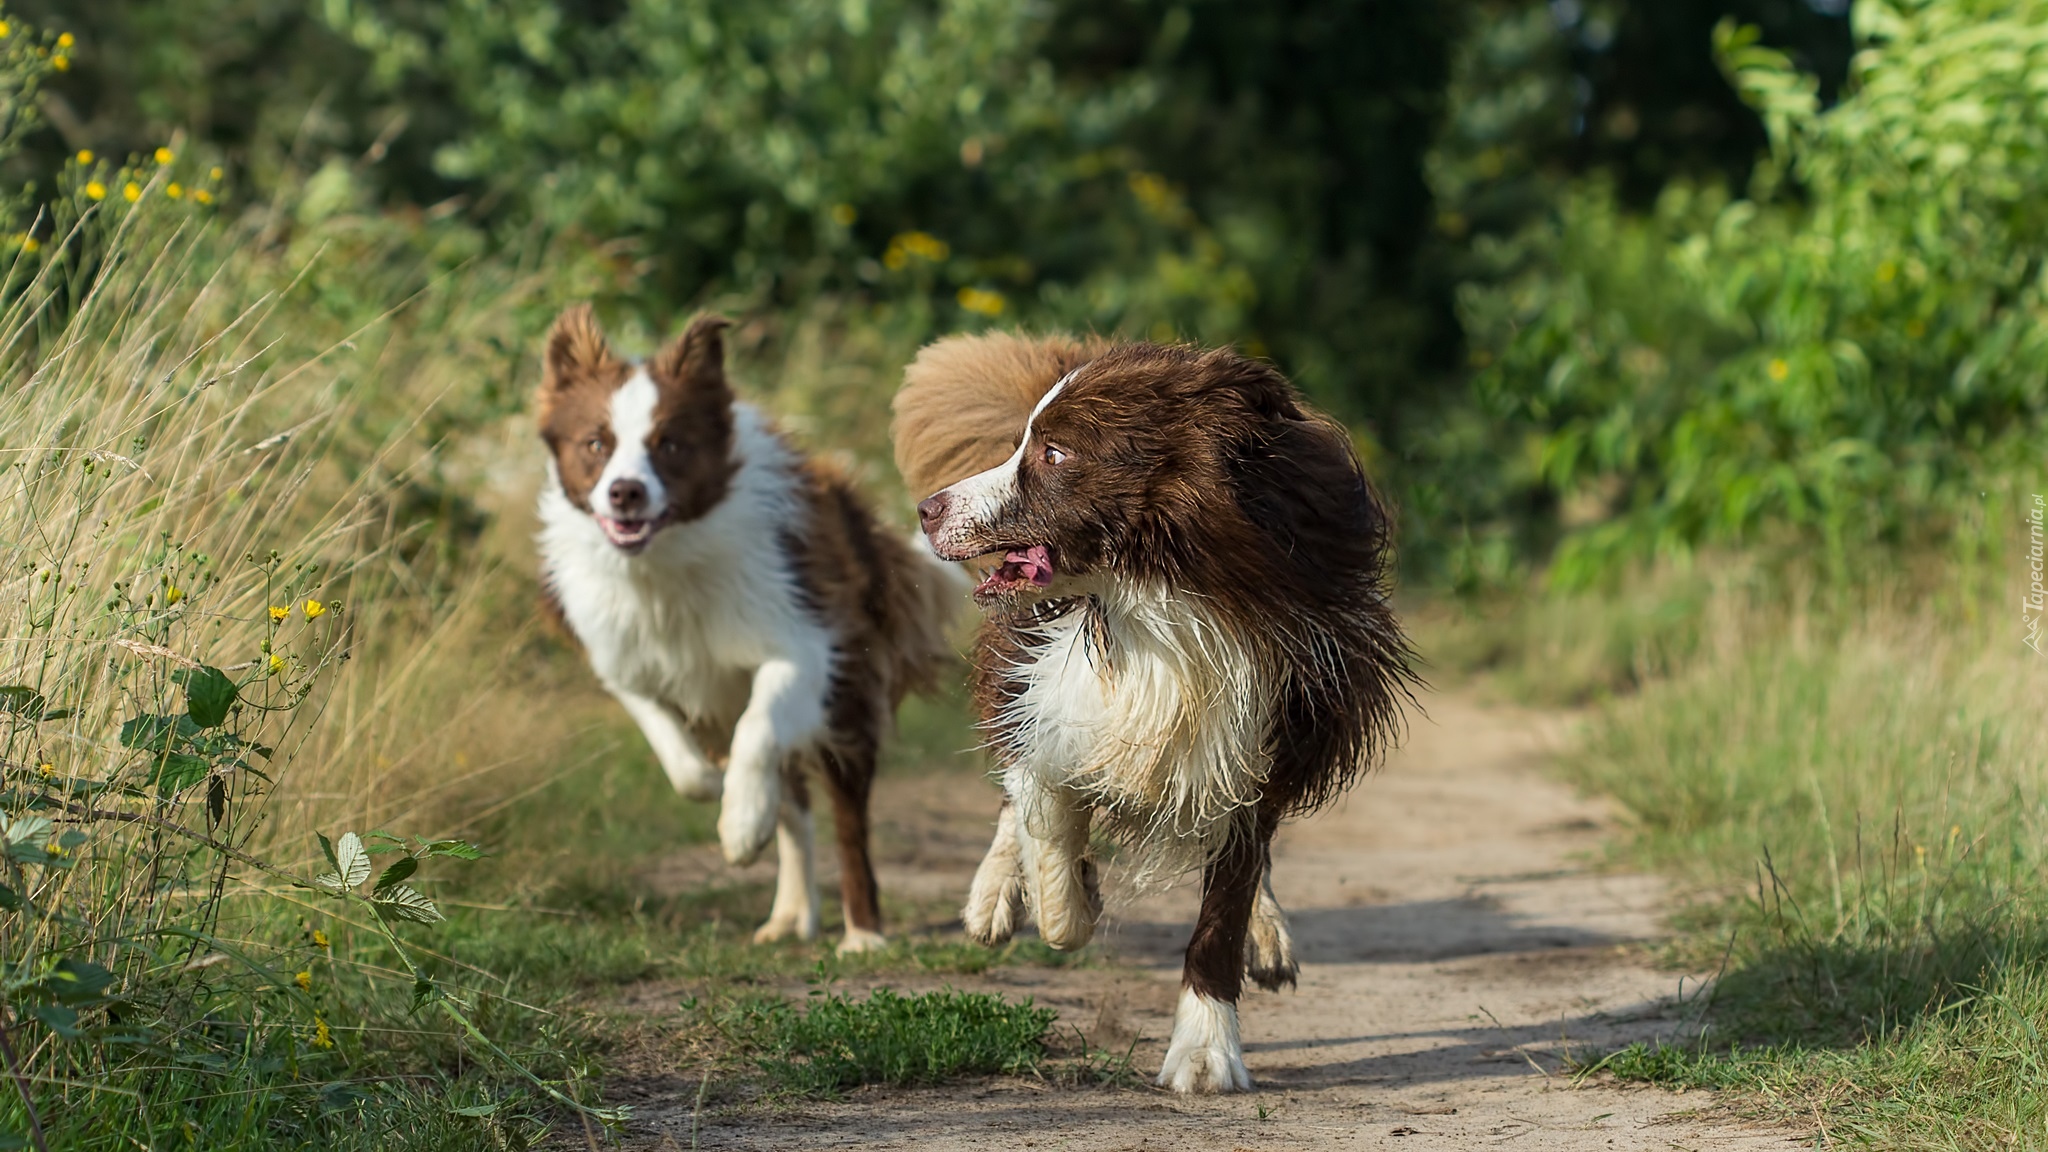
[(1855, 803), (835, 1042)]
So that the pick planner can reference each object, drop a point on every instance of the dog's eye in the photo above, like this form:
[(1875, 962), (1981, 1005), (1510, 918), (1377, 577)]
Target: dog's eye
[(667, 447), (594, 445), (1054, 455)]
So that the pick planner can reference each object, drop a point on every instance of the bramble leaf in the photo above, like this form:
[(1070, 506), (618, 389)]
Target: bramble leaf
[(351, 861), (208, 694), (400, 868), (406, 903)]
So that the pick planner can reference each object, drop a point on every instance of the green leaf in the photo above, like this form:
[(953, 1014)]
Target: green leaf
[(400, 868), (458, 849), (216, 799), (176, 771), (475, 1110), (423, 990), (76, 981), (158, 733), (9, 899), (208, 694), (59, 1019), (23, 701), (406, 903)]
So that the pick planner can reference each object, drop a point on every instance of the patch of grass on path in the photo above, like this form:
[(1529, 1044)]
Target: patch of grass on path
[(836, 1042)]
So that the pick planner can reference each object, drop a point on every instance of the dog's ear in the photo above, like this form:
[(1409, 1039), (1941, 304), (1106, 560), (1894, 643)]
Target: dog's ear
[(576, 348), (697, 358)]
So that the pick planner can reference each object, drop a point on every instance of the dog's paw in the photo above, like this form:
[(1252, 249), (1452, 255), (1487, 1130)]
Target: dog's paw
[(862, 940), (779, 927), (1269, 950), (746, 820), (706, 786), (993, 910), (1068, 910), (1205, 1055)]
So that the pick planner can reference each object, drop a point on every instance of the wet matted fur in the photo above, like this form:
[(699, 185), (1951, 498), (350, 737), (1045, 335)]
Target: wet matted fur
[(737, 598), (1187, 632)]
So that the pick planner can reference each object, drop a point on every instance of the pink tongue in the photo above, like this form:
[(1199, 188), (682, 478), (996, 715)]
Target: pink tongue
[(1033, 564)]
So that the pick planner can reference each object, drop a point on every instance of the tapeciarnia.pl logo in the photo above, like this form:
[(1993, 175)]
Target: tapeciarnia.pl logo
[(2036, 602)]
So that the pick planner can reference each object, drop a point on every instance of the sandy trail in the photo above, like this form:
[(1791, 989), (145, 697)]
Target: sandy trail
[(1453, 941)]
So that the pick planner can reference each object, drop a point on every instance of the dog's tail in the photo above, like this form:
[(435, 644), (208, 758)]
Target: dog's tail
[(965, 400)]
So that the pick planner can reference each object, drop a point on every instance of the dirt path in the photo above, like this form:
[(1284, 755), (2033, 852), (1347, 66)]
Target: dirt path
[(1452, 942)]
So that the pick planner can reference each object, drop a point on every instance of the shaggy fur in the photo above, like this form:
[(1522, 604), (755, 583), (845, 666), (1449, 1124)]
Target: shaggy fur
[(739, 601), (1187, 633)]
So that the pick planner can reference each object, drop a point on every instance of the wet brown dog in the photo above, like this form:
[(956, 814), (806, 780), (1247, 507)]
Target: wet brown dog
[(1187, 635)]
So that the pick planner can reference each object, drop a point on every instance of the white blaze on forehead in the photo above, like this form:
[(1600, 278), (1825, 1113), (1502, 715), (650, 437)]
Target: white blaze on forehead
[(632, 425), (978, 498)]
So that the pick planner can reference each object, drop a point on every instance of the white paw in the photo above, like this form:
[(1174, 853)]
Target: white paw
[(1205, 1055), (1068, 909), (862, 940), (746, 820), (991, 916), (783, 927), (706, 787)]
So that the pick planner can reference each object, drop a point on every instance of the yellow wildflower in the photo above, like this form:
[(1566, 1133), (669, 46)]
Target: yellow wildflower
[(315, 609), (203, 196), (85, 156), (276, 664), (46, 769), (61, 62), (131, 191), (320, 939), (279, 612), (173, 594), (986, 303), (165, 155), (94, 190), (6, 29), (55, 849), (213, 173), (174, 190), (323, 1037), (304, 980), (29, 243), (64, 40), (1779, 369)]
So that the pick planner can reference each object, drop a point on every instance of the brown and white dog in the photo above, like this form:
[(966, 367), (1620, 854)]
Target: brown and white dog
[(1187, 633), (738, 600)]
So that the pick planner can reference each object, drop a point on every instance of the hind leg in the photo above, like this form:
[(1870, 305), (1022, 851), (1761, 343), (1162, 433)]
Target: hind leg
[(849, 775), (795, 912), (1268, 946)]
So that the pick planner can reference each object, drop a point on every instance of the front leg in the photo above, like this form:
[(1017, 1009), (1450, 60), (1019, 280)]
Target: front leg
[(687, 767), (1052, 851), (1205, 1054), (995, 901), (785, 711)]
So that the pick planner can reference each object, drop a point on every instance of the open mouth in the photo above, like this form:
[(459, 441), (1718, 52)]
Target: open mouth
[(629, 535), (1020, 571)]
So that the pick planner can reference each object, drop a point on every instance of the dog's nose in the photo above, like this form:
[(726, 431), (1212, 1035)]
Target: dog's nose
[(930, 511), (628, 495)]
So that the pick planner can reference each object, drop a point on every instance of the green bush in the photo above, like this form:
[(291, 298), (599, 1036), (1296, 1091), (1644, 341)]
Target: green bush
[(1852, 354)]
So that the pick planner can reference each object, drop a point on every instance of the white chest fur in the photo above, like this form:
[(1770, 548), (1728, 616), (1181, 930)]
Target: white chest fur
[(689, 619), (1150, 710)]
